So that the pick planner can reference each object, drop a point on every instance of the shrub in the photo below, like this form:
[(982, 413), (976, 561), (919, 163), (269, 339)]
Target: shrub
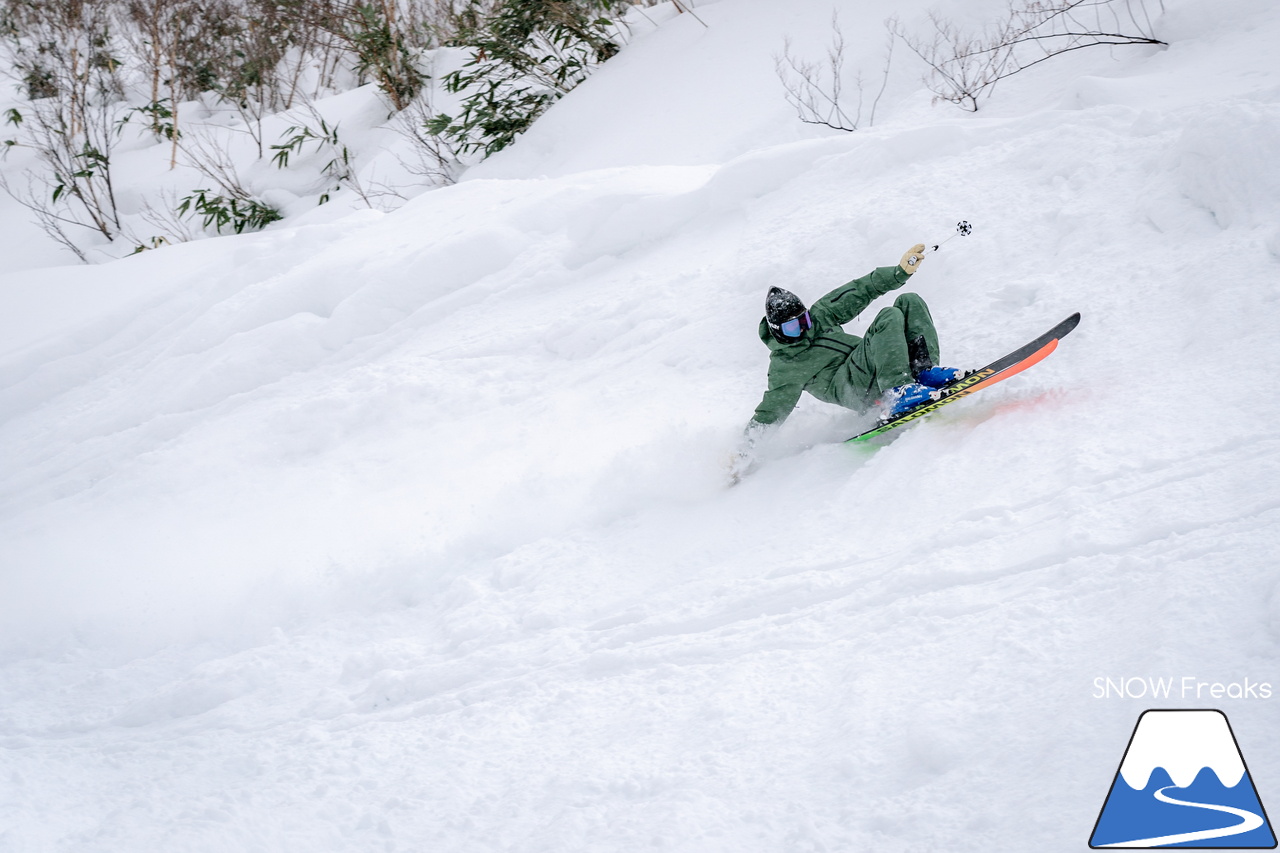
[(222, 211), (525, 55)]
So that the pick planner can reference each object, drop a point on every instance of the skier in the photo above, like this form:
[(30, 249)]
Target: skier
[(894, 367)]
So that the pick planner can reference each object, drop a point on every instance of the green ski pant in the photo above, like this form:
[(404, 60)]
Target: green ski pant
[(883, 361)]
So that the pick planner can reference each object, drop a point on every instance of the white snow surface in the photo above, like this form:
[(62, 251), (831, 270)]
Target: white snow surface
[(410, 531), (1183, 743)]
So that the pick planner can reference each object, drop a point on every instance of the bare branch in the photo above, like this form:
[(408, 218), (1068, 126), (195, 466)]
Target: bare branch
[(884, 79), (965, 67), (815, 91), (210, 155)]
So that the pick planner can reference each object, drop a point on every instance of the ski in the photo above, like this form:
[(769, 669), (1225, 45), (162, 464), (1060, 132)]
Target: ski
[(997, 371)]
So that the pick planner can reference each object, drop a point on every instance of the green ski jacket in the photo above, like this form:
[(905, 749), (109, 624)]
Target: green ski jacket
[(820, 361)]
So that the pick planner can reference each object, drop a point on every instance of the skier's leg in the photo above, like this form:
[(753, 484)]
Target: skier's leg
[(921, 335), (922, 343), (882, 361)]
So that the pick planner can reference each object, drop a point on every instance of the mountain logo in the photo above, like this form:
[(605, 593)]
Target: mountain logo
[(1183, 783)]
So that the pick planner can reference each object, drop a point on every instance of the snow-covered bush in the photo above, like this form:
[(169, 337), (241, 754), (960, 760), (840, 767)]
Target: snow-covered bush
[(211, 86), (222, 212), (525, 55), (65, 56), (383, 37)]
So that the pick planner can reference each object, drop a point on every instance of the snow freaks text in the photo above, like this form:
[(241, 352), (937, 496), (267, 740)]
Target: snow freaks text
[(1185, 687)]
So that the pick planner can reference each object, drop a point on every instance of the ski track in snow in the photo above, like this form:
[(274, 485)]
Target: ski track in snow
[(410, 531)]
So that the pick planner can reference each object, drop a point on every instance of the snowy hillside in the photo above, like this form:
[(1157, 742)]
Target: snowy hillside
[(410, 531)]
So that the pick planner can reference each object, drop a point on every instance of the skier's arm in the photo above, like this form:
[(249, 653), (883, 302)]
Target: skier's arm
[(743, 460), (848, 301), (778, 401)]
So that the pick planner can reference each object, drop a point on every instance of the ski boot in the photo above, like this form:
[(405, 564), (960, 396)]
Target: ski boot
[(941, 377), (903, 398), (925, 371)]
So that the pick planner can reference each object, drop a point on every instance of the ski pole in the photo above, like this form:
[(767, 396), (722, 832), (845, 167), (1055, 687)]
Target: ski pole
[(963, 229)]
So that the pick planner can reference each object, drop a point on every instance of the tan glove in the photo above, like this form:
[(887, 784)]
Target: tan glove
[(911, 260)]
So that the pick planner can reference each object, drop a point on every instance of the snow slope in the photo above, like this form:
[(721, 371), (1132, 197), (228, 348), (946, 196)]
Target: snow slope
[(410, 531)]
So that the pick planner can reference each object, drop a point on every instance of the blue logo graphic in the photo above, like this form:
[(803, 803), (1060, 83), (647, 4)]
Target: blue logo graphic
[(1183, 783)]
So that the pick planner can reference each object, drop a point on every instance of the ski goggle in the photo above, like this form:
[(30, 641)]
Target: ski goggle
[(796, 326)]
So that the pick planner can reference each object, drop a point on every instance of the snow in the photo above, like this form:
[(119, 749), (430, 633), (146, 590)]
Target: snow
[(409, 530)]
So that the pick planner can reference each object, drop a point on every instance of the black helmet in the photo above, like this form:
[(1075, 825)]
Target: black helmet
[(782, 306)]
